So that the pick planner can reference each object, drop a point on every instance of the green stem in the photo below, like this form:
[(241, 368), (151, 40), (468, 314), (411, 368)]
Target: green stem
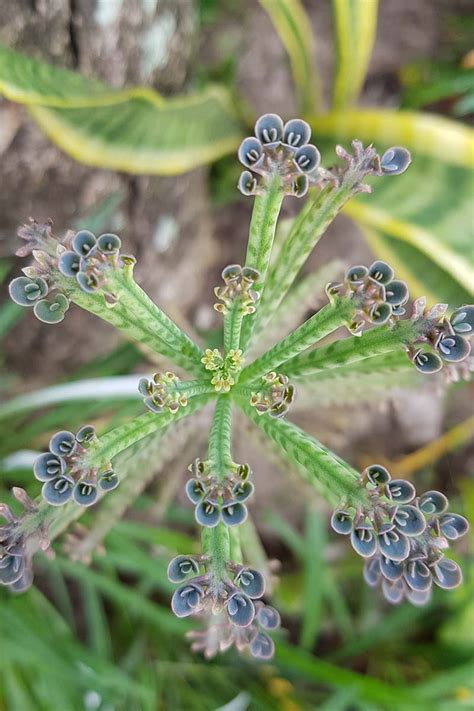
[(311, 223), (254, 552), (233, 325), (137, 300), (137, 316), (376, 341), (262, 227), (325, 321), (327, 473), (261, 236), (122, 437), (216, 542), (57, 519), (219, 451), (236, 555)]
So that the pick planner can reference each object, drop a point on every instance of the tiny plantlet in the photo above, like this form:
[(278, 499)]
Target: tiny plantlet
[(402, 536)]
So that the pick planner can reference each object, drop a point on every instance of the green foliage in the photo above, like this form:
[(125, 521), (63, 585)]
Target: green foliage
[(355, 26), (134, 130), (116, 643), (291, 23)]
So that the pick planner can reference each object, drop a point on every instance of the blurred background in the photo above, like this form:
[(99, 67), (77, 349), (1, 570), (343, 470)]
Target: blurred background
[(95, 632)]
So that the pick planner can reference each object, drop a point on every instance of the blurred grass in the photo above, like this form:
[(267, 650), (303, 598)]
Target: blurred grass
[(103, 637)]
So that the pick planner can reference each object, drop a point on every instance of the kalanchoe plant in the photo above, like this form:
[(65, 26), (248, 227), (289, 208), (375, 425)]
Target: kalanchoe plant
[(401, 536)]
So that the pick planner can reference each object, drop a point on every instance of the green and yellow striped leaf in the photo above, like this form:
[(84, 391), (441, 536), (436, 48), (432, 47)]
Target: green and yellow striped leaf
[(294, 29), (421, 221), (134, 130), (355, 26)]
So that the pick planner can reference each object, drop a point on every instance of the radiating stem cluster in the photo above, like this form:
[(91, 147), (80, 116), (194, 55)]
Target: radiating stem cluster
[(400, 534)]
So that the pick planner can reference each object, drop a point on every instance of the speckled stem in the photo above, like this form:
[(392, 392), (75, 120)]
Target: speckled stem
[(333, 478), (325, 321), (376, 341)]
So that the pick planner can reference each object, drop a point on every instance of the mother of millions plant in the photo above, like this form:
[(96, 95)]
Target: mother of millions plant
[(401, 535)]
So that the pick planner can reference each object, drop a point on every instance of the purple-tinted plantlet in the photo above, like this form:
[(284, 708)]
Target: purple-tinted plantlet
[(462, 320), (341, 521), (426, 362), (233, 513), (262, 647), (356, 274), (51, 310), (453, 348), (24, 581), (300, 186), (108, 480), (58, 491), (195, 490), (69, 263), (85, 493), (453, 526), (393, 591), (418, 598), (418, 575), (250, 152), (296, 133), (307, 158), (26, 292), (48, 466), (432, 502), (251, 582), (409, 520), (83, 243), (207, 514), (269, 128), (242, 491), (391, 569), (247, 183), (396, 292), (395, 160), (85, 435), (109, 243), (240, 610), (400, 490), (381, 272), (380, 314), (62, 443), (268, 617), (187, 600), (391, 543), (11, 569), (89, 283), (181, 568), (447, 574), (371, 572), (363, 540)]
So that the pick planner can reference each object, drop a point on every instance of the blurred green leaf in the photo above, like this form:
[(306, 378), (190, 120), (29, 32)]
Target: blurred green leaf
[(314, 578), (355, 27), (134, 130), (294, 30), (429, 82), (419, 221)]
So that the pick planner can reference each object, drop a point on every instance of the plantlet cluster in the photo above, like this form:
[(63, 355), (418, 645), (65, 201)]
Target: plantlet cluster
[(401, 536)]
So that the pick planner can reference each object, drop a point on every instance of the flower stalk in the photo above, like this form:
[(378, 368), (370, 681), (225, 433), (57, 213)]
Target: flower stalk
[(329, 475), (124, 436), (375, 342), (328, 319)]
